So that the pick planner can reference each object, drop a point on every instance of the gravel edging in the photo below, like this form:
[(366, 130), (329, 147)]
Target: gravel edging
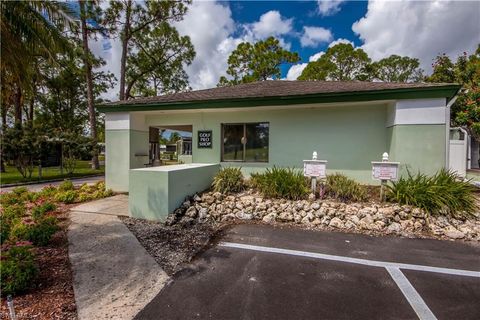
[(173, 246)]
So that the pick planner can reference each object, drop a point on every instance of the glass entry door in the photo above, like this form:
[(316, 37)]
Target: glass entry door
[(233, 142), (247, 142)]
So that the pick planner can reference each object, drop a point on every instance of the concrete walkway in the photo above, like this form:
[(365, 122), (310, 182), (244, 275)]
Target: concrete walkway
[(39, 186), (114, 277)]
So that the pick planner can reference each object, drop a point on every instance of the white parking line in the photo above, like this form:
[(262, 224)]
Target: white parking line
[(372, 263), (412, 296), (419, 306)]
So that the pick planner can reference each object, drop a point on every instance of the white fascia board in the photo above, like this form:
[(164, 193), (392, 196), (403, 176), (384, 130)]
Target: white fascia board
[(117, 121), (418, 111)]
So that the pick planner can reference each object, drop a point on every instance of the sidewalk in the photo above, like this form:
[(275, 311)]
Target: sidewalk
[(114, 277), (38, 186)]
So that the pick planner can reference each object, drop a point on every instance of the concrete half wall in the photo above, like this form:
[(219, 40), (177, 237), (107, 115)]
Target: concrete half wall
[(156, 192)]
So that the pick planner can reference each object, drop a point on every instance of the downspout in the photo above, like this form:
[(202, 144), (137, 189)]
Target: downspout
[(447, 134)]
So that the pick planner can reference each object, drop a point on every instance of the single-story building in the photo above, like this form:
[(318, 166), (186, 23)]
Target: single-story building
[(258, 125)]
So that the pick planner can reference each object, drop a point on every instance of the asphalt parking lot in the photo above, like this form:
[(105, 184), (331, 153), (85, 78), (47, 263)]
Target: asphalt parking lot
[(262, 272)]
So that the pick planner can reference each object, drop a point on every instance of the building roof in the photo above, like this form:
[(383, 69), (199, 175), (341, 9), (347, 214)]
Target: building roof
[(281, 91)]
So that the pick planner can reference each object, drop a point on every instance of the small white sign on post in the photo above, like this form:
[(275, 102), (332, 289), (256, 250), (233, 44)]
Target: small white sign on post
[(385, 170), (315, 168)]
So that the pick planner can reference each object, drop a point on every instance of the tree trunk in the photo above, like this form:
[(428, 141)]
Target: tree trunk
[(88, 75), (4, 127), (18, 105), (125, 37)]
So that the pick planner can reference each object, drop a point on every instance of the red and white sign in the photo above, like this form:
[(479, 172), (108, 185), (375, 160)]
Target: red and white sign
[(315, 168), (385, 170)]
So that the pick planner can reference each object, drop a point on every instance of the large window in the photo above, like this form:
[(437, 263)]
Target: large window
[(246, 142)]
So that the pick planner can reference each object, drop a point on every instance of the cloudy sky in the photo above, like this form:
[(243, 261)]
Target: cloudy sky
[(420, 29)]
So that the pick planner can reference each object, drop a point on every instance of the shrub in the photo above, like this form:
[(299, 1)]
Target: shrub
[(66, 196), (42, 231), (39, 233), (442, 193), (10, 198), (66, 185), (48, 191), (18, 269), (228, 180), (343, 188), (281, 183), (38, 212)]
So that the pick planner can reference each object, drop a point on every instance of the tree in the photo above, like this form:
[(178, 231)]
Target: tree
[(88, 10), (257, 62), (443, 70), (157, 67), (341, 62), (132, 21), (397, 69)]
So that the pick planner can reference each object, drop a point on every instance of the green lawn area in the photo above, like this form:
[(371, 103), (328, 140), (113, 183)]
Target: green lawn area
[(83, 169)]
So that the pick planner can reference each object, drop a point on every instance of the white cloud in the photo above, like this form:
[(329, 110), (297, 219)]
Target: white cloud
[(316, 56), (341, 40), (329, 7), (211, 29), (313, 36), (109, 50), (209, 25), (420, 29), (271, 23), (295, 71)]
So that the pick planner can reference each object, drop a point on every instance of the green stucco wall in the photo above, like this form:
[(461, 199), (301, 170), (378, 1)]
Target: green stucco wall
[(418, 147), (154, 194), (348, 137), (120, 149)]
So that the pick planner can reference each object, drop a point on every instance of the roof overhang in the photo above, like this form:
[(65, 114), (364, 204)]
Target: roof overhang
[(447, 91)]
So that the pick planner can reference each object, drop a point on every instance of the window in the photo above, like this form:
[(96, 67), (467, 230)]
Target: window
[(247, 142)]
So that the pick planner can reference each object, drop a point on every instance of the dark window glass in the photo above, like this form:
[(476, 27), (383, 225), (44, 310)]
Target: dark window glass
[(256, 149), (245, 142), (232, 142)]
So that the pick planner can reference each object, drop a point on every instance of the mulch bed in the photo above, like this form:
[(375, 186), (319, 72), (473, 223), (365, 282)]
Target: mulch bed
[(173, 246), (51, 295)]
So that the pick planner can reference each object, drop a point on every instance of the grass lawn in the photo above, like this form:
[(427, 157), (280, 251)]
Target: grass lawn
[(83, 169)]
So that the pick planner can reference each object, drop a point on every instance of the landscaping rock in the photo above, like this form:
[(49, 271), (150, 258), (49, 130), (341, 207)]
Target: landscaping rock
[(368, 217), (453, 233), (336, 223)]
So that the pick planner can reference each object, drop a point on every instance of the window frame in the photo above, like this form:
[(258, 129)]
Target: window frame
[(244, 124)]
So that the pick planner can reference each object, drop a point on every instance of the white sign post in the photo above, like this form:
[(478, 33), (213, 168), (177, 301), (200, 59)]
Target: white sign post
[(315, 169), (384, 171)]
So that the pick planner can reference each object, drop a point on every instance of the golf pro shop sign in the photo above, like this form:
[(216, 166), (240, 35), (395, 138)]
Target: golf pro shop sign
[(204, 139)]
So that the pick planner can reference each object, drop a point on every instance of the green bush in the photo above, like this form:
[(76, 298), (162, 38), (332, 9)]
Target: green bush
[(38, 212), (48, 191), (10, 198), (343, 188), (39, 233), (228, 180), (68, 196), (281, 183), (443, 193), (17, 267), (66, 185), (42, 231)]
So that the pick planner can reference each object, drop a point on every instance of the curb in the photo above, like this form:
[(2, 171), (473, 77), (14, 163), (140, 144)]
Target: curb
[(47, 181)]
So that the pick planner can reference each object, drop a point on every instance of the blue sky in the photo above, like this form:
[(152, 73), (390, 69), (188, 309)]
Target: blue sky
[(420, 29)]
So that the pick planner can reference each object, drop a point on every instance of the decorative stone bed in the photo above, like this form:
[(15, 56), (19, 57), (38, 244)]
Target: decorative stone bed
[(374, 218)]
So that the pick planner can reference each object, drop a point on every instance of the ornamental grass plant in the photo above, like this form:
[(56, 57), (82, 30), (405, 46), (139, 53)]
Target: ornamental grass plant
[(339, 186), (444, 193), (228, 180), (281, 183)]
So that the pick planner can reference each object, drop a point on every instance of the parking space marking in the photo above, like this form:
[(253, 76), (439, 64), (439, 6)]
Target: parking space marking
[(419, 306), (372, 263)]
